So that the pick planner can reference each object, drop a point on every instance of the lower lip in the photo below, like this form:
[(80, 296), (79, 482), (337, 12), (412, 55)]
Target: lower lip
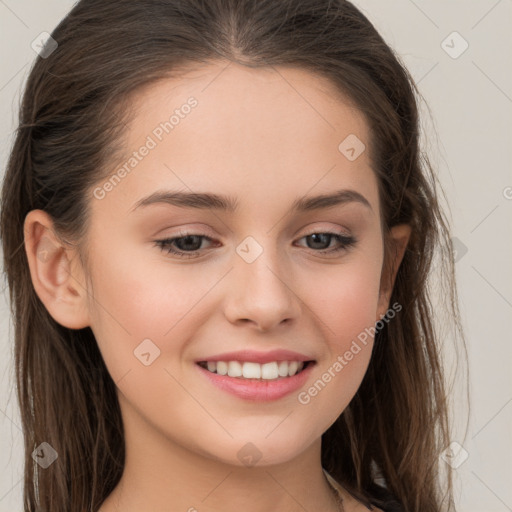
[(258, 390)]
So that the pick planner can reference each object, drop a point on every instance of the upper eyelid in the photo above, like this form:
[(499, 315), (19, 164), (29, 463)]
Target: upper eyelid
[(183, 232), (212, 239), (349, 239)]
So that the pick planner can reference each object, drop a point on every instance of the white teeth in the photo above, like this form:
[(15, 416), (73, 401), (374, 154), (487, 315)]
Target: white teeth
[(250, 370), (269, 371), (283, 369), (234, 369), (292, 368), (222, 368)]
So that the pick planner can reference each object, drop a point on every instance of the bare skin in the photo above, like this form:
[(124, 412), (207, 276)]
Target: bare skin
[(266, 137)]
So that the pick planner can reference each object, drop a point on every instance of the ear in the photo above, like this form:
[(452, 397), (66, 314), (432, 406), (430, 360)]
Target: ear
[(56, 272), (398, 240)]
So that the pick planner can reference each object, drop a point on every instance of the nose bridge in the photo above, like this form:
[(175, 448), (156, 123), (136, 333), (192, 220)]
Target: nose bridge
[(261, 289)]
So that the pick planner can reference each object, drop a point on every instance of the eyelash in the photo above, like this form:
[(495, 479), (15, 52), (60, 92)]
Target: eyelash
[(166, 244)]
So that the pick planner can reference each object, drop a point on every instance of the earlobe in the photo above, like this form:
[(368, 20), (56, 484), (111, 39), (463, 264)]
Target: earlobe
[(399, 238), (55, 271)]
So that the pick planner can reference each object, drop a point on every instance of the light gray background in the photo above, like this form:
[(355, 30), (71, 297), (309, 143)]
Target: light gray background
[(469, 138)]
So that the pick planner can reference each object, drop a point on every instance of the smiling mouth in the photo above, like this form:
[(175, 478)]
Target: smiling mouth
[(275, 370)]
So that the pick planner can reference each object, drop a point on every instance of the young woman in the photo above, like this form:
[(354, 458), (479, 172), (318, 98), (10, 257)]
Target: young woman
[(217, 229)]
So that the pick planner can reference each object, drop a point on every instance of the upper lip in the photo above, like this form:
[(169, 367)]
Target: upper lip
[(258, 357)]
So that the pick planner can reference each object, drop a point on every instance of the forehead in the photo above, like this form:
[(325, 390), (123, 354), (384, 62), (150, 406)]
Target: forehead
[(228, 127), (276, 96)]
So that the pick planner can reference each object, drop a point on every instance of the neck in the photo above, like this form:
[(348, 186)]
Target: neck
[(160, 474)]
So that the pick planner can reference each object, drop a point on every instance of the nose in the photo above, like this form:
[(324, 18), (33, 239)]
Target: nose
[(261, 293)]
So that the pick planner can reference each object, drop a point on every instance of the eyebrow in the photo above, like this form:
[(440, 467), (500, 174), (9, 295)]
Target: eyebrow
[(209, 201)]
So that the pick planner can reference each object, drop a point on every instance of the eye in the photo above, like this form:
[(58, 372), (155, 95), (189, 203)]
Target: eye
[(188, 245), (322, 241)]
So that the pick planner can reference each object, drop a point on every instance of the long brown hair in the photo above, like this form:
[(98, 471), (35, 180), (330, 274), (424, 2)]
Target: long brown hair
[(71, 121)]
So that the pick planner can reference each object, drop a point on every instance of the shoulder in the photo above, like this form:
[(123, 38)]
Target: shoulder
[(381, 499), (356, 506)]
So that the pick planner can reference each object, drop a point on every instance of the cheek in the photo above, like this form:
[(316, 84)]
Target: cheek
[(346, 297), (349, 305), (345, 303), (139, 297)]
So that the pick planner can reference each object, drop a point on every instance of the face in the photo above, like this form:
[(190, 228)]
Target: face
[(267, 274)]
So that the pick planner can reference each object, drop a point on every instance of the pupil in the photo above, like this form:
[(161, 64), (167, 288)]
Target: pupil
[(315, 236), (188, 239)]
